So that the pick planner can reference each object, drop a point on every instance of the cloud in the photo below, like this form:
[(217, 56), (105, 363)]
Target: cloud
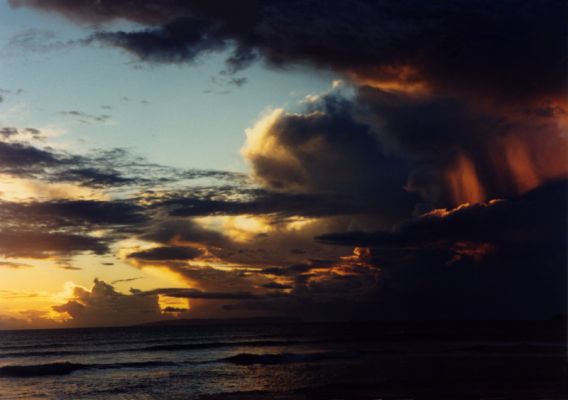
[(182, 40), (215, 280), (72, 213), (474, 93), (476, 101), (166, 254), (451, 107), (533, 218), (170, 231), (87, 118), (462, 151), (64, 227), (126, 280), (276, 285), (101, 169), (215, 288), (138, 199), (11, 294), (11, 133), (102, 305), (29, 319), (414, 58), (453, 150), (325, 150), (198, 294), (21, 159), (7, 132), (16, 243), (290, 270), (264, 202), (13, 265), (475, 261), (36, 40), (443, 45)]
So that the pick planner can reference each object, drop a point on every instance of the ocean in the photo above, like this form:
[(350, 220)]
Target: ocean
[(499, 360)]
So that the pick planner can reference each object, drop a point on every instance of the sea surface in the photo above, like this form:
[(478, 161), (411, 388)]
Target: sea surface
[(288, 361)]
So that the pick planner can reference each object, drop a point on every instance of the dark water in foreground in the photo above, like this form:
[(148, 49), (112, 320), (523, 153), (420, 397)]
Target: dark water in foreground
[(294, 361)]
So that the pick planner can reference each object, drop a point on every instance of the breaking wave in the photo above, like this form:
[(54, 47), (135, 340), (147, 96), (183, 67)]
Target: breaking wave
[(285, 358), (66, 368)]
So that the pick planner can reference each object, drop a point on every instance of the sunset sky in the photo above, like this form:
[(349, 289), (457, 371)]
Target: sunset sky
[(391, 160)]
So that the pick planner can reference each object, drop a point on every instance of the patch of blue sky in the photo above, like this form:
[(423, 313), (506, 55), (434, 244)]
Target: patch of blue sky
[(180, 115)]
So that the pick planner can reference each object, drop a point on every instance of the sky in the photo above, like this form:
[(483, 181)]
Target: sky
[(331, 160)]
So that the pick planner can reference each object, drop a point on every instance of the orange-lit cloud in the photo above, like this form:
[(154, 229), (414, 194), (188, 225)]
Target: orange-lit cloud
[(404, 79), (476, 251)]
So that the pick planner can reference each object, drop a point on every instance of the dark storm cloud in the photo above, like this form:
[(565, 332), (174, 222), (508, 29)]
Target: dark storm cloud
[(510, 48), (457, 148), (382, 151), (499, 260), (504, 259), (535, 218), (174, 253), (454, 53), (473, 65), (351, 294)]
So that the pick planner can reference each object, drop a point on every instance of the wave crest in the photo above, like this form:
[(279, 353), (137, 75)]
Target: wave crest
[(284, 358)]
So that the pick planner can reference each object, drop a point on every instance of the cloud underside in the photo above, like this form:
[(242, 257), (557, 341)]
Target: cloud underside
[(436, 189), (514, 47)]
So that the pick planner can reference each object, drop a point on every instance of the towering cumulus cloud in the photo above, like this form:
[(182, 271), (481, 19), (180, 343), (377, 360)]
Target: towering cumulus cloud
[(435, 184), (327, 150)]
